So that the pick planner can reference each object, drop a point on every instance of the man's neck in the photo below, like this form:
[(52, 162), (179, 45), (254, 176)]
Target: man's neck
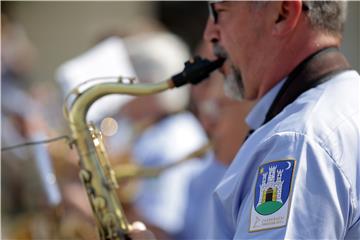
[(287, 58)]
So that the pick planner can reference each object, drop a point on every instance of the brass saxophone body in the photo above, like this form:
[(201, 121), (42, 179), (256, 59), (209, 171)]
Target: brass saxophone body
[(96, 173)]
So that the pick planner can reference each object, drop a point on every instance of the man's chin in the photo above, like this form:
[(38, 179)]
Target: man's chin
[(230, 93)]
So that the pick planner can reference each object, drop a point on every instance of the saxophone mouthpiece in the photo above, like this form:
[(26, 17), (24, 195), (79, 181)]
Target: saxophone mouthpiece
[(196, 70)]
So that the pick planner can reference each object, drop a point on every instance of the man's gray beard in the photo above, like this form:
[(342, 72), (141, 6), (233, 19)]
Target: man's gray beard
[(233, 85)]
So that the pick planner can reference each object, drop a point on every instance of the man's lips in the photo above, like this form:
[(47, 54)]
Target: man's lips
[(225, 69), (222, 70), (219, 52)]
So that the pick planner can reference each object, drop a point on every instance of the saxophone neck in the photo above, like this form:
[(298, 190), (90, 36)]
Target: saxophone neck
[(195, 71), (76, 113)]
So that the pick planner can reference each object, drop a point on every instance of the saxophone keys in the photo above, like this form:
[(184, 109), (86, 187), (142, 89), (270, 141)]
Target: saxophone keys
[(99, 203)]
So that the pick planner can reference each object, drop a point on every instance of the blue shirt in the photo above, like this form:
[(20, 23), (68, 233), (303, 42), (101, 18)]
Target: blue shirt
[(298, 176), (162, 201), (198, 210)]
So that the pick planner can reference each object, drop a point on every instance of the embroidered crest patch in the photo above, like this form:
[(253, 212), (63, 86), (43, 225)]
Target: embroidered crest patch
[(272, 195)]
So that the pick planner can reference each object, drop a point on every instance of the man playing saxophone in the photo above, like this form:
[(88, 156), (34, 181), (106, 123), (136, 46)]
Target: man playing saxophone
[(297, 174)]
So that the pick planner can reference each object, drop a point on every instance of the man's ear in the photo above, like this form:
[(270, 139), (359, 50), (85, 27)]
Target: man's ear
[(286, 17)]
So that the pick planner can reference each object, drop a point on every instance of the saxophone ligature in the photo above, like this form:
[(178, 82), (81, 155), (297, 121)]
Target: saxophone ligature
[(96, 173)]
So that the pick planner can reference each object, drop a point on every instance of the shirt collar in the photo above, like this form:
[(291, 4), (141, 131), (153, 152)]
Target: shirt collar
[(257, 115)]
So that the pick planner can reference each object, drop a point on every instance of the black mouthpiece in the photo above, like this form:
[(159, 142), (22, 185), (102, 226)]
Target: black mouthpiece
[(196, 70)]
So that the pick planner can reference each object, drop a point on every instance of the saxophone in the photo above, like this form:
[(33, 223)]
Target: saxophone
[(96, 173)]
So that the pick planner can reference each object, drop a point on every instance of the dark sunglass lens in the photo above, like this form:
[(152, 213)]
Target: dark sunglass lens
[(212, 12)]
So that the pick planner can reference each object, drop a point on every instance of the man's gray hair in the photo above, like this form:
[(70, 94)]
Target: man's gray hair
[(327, 15)]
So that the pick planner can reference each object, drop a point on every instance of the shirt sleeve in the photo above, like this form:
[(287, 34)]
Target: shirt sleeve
[(320, 197)]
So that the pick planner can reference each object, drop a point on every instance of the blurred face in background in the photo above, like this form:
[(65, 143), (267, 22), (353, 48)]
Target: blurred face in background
[(223, 118)]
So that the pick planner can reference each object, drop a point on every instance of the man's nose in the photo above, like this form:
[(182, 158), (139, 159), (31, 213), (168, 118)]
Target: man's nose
[(211, 33)]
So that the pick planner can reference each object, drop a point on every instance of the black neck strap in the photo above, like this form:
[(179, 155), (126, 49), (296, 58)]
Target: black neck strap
[(314, 70)]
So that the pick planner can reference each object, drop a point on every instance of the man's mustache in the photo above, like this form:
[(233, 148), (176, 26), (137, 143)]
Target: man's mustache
[(219, 51)]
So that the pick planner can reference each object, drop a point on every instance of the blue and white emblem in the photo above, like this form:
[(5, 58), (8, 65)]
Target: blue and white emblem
[(271, 197)]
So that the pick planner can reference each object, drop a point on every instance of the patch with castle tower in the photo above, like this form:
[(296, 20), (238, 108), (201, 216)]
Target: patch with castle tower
[(273, 186), (272, 195)]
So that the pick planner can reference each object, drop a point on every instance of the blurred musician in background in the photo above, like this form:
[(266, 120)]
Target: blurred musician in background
[(152, 130), (29, 189), (223, 119)]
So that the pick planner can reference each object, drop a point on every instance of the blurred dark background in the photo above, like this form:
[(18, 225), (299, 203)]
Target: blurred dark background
[(62, 30), (187, 19)]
